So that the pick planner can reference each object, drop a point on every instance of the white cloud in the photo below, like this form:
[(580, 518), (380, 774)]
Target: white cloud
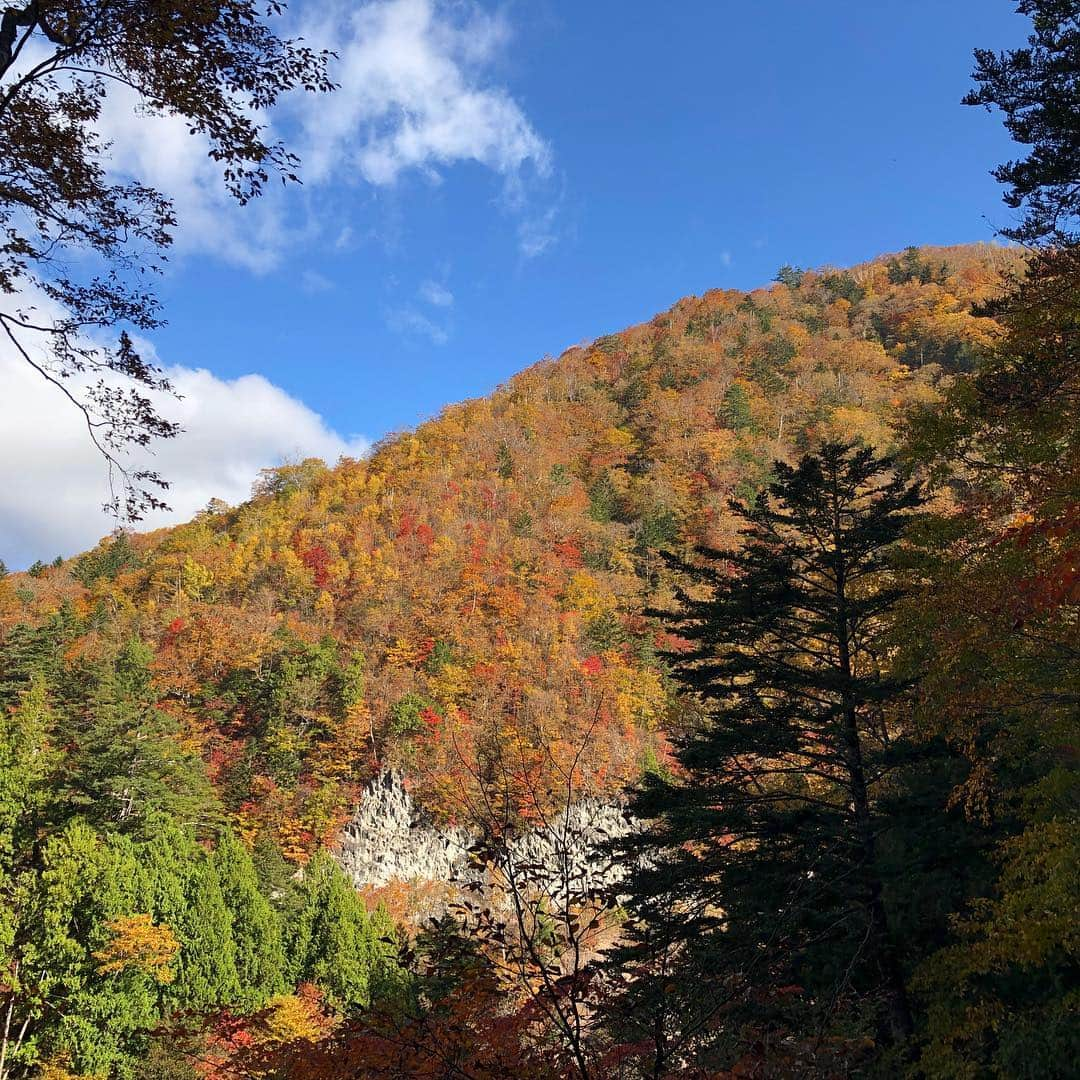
[(311, 281), (53, 484), (414, 94), (537, 232), (411, 323), (437, 295)]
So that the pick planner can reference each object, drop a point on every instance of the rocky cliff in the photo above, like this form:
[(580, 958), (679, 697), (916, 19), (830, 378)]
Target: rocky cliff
[(391, 839)]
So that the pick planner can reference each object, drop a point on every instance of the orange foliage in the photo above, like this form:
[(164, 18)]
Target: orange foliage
[(491, 568)]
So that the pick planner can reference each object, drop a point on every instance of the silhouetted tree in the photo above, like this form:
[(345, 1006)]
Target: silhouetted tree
[(760, 898), (1036, 88), (78, 248)]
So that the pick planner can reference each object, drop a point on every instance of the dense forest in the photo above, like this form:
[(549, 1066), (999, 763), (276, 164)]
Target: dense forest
[(791, 574)]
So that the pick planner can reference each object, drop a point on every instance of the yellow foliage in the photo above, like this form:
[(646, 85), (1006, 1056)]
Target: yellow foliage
[(196, 578), (138, 944), (615, 446), (451, 685), (291, 1019), (718, 445), (58, 1070), (584, 594), (639, 693), (324, 607), (621, 558), (404, 653)]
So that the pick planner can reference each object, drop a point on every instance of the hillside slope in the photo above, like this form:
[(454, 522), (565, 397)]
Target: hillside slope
[(467, 602)]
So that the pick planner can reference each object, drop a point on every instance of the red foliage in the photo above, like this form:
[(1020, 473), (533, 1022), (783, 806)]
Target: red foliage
[(569, 553), (317, 560), (592, 666), (406, 525)]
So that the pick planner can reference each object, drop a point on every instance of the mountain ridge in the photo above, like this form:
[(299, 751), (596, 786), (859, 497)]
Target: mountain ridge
[(466, 603)]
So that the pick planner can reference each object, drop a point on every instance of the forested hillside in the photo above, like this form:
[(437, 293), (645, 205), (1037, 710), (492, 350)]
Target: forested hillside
[(491, 605), (476, 587)]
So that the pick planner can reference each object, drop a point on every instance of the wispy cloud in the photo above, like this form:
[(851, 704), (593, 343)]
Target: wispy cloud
[(410, 322), (437, 295), (537, 232), (311, 281)]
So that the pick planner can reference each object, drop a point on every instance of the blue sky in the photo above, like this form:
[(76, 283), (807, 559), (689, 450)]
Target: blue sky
[(694, 144), (498, 181)]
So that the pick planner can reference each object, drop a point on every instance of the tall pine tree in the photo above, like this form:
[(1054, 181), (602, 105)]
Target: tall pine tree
[(129, 760), (758, 891), (337, 944)]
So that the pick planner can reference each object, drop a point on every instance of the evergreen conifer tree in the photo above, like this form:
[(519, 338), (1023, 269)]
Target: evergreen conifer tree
[(129, 759), (334, 941), (759, 900), (71, 1008), (256, 932), (27, 762), (206, 971)]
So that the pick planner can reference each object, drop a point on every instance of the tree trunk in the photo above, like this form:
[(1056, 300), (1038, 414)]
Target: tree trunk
[(900, 1024)]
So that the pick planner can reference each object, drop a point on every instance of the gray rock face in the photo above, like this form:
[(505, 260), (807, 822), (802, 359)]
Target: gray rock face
[(565, 857), (391, 839)]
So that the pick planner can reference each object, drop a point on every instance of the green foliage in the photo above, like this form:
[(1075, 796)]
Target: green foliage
[(27, 766), (207, 966), (447, 957), (791, 276), (657, 529), (910, 265), (504, 462), (404, 718), (842, 287), (334, 942), (757, 474), (652, 766), (73, 1011), (521, 523), (734, 410), (768, 367), (107, 561), (256, 932), (304, 687), (606, 631), (128, 761), (603, 500), (560, 475), (442, 653), (352, 682), (762, 315), (1007, 990), (276, 876)]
